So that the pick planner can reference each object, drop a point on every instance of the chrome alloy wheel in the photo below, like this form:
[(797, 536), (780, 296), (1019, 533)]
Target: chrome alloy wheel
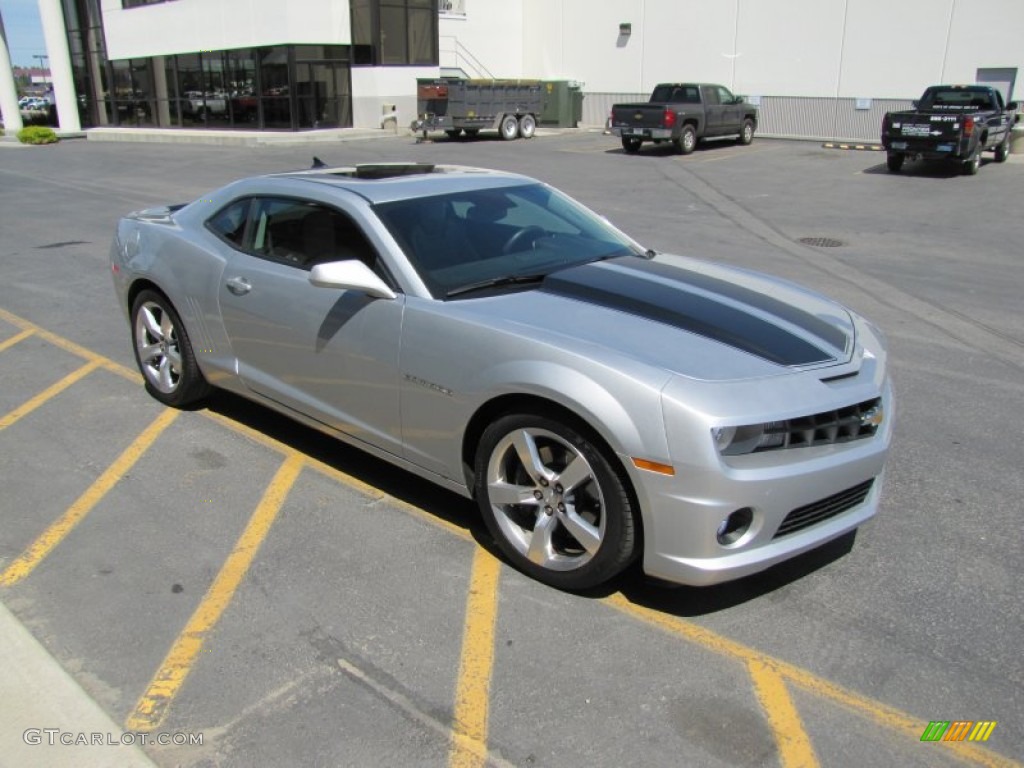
[(546, 499), (156, 341)]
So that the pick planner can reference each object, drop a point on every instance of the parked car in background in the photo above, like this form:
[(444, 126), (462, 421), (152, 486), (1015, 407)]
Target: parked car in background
[(684, 114), (600, 401), (955, 123)]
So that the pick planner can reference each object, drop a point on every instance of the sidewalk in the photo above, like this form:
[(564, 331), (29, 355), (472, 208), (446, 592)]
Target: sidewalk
[(40, 703)]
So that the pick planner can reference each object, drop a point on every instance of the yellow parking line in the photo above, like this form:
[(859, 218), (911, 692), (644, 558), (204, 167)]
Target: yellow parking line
[(50, 392), (69, 346), (55, 534), (890, 718), (472, 697), (8, 343), (151, 709), (795, 748)]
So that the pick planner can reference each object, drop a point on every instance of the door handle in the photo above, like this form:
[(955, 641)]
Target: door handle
[(239, 285)]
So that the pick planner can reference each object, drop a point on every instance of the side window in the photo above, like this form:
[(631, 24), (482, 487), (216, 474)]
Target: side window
[(302, 234), (229, 222), (710, 96), (724, 96)]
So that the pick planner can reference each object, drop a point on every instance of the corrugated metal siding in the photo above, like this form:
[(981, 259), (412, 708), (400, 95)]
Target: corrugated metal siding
[(793, 117)]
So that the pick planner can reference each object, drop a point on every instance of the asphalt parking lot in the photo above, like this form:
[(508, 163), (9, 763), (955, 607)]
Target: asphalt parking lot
[(223, 572)]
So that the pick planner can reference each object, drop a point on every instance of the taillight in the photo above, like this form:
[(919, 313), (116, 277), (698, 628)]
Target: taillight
[(968, 126), (669, 119)]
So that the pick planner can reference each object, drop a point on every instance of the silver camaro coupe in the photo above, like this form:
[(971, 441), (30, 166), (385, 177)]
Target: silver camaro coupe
[(600, 401)]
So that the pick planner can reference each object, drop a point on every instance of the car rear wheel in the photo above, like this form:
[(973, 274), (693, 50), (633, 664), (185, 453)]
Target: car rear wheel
[(509, 127), (1003, 150), (972, 164), (687, 141), (555, 505), (747, 132), (631, 144), (163, 352), (527, 126), (894, 161)]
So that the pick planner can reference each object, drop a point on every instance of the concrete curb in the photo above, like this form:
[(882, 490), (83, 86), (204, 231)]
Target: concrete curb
[(37, 696)]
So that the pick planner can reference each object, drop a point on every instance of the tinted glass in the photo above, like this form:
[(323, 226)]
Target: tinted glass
[(229, 222)]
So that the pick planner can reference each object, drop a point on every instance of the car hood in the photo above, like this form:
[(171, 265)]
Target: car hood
[(681, 315)]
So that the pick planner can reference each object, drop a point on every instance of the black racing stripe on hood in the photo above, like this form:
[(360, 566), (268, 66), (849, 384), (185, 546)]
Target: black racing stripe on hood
[(812, 324), (662, 303)]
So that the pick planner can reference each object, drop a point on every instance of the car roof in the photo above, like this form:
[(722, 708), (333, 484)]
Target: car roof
[(388, 182)]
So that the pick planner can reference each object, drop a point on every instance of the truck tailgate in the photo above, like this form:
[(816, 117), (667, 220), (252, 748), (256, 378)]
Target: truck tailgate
[(935, 129), (642, 115)]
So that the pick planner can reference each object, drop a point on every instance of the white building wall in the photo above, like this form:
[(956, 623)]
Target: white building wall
[(803, 48), (187, 26), (376, 89), (487, 41)]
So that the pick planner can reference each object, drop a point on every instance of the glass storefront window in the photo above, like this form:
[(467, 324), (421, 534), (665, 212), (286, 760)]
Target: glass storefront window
[(276, 88)]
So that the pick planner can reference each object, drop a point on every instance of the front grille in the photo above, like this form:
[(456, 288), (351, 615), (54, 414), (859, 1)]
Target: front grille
[(823, 509), (827, 428)]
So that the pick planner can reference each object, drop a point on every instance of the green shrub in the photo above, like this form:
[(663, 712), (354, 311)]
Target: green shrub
[(37, 134)]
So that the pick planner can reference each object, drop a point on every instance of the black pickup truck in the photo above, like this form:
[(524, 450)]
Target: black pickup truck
[(684, 113), (950, 122)]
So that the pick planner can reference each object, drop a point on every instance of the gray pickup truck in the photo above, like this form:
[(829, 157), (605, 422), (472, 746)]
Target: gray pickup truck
[(684, 113), (950, 122)]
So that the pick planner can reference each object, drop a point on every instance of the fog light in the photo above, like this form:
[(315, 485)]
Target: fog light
[(734, 526)]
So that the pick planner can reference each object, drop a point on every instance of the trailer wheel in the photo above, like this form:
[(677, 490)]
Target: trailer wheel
[(509, 127), (527, 126)]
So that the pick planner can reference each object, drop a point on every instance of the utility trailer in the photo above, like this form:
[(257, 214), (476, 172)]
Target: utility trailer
[(454, 105)]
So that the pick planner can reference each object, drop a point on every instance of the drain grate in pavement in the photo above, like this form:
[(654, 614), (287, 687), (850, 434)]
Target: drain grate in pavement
[(822, 242)]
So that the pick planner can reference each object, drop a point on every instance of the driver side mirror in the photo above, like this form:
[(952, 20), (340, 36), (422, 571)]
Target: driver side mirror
[(350, 275)]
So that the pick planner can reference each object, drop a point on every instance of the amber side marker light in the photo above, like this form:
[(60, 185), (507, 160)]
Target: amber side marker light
[(654, 466)]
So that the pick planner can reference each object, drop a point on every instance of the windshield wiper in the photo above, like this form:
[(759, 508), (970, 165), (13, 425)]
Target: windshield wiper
[(495, 282)]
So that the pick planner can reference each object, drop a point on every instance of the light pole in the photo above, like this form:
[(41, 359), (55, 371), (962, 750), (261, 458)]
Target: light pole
[(43, 58)]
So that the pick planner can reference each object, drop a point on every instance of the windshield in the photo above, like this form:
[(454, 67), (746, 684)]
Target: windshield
[(481, 237)]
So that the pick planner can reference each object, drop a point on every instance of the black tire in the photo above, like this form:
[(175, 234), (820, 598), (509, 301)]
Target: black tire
[(527, 126), (631, 144), (746, 132), (509, 128), (1003, 150), (164, 353), (973, 163), (472, 133), (588, 532), (687, 141), (894, 161), (454, 133)]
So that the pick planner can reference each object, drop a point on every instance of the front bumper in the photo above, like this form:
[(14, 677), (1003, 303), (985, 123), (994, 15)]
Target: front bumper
[(830, 489)]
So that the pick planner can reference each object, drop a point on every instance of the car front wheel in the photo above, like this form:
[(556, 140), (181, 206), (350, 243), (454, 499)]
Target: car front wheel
[(1003, 150), (163, 352), (747, 132), (555, 505)]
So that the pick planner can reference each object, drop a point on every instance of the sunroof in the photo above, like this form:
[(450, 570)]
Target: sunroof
[(386, 170)]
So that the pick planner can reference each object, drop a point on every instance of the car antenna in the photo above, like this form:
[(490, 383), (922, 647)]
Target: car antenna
[(318, 163)]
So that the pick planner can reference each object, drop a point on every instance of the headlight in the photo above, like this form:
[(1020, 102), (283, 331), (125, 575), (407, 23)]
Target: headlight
[(736, 441)]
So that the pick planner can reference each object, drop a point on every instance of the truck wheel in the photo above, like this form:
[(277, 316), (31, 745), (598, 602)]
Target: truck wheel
[(527, 126), (472, 133), (631, 144), (894, 161), (687, 141), (972, 165), (1003, 150), (746, 132), (509, 127), (454, 133)]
